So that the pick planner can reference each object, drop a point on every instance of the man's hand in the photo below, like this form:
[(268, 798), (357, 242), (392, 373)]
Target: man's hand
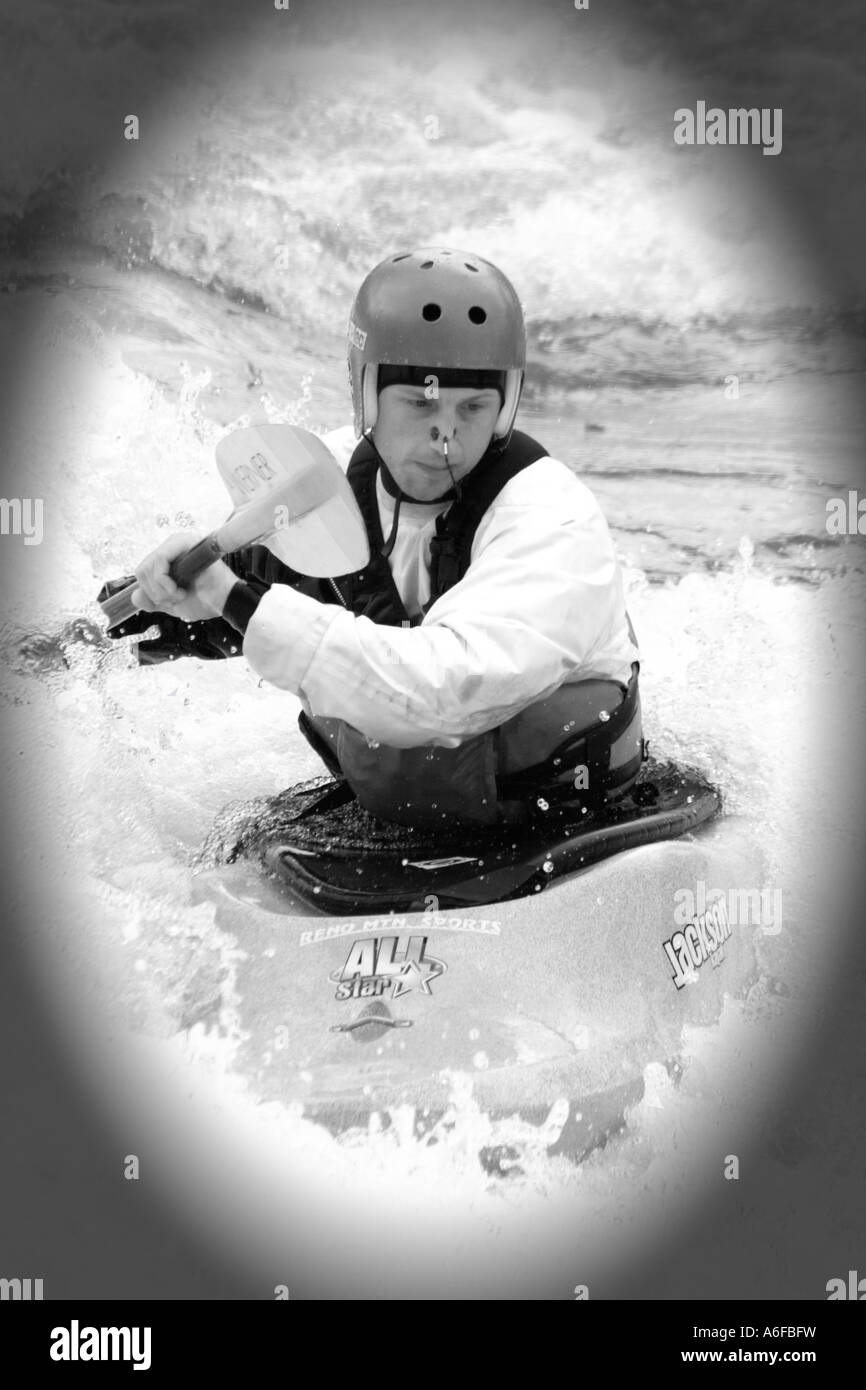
[(158, 593)]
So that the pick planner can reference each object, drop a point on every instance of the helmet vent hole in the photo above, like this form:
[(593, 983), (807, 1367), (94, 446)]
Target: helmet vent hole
[(404, 257), (426, 265), (471, 267), (432, 312), (477, 314)]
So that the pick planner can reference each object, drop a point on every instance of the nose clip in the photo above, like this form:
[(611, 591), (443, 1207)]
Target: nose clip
[(434, 435)]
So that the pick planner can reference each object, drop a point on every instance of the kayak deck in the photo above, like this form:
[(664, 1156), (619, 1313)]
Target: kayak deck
[(329, 855), (547, 1008)]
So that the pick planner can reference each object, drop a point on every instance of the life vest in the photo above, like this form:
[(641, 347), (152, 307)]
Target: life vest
[(508, 774)]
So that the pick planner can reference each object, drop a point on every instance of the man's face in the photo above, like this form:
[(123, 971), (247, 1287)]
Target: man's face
[(405, 429)]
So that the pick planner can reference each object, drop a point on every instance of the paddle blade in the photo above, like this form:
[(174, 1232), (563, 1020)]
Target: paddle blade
[(328, 540)]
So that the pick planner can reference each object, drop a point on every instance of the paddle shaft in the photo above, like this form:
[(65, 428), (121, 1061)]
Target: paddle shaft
[(253, 522), (183, 571)]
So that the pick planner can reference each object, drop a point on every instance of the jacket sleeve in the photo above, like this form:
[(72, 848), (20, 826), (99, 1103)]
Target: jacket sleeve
[(541, 604)]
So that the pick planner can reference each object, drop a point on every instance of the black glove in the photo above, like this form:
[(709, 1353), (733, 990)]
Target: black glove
[(211, 639), (138, 622)]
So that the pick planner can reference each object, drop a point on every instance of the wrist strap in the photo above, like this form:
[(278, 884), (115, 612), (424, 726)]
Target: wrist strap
[(240, 605)]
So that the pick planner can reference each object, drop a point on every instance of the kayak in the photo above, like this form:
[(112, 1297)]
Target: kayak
[(329, 855), (542, 1009)]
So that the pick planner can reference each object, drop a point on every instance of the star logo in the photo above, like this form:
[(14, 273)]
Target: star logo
[(417, 975), (386, 966)]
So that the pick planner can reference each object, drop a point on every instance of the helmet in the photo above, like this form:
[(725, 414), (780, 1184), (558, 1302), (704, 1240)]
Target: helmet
[(436, 307)]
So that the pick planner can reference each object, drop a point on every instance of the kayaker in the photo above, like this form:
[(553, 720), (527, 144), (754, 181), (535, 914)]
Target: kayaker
[(482, 667)]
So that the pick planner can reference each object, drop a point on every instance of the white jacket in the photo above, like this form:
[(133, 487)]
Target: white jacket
[(540, 605)]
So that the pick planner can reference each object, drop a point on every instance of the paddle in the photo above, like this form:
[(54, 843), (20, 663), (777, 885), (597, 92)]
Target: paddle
[(290, 494)]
